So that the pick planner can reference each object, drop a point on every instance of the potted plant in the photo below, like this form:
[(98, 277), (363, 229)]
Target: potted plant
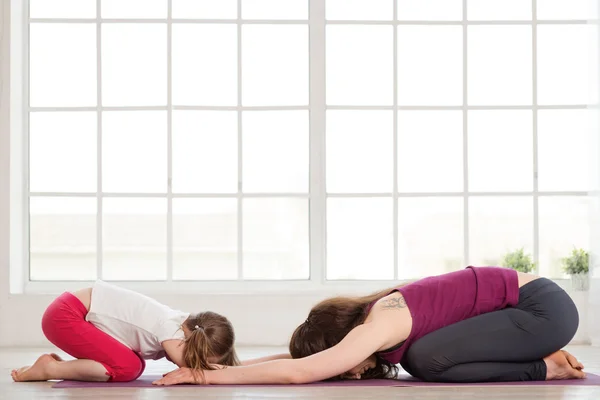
[(577, 265), (518, 260)]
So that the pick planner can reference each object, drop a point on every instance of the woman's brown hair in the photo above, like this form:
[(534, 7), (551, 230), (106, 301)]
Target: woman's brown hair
[(330, 321), (211, 335)]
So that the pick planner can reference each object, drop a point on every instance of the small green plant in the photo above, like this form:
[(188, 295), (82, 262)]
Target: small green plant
[(577, 262), (519, 261)]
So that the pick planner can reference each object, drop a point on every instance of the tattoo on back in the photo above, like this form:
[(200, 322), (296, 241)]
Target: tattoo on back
[(394, 303)]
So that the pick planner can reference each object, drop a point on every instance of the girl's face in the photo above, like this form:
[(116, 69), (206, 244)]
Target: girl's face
[(360, 369)]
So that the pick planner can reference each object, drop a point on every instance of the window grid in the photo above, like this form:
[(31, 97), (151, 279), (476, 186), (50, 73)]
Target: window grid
[(536, 219), (465, 115), (169, 141), (300, 21), (395, 227), (240, 188), (317, 108), (318, 196), (99, 201)]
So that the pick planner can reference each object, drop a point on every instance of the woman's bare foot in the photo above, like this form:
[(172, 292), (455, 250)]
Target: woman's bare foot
[(39, 371), (559, 367), (573, 361)]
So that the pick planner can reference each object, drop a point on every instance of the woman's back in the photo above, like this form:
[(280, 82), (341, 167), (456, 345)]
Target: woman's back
[(442, 300)]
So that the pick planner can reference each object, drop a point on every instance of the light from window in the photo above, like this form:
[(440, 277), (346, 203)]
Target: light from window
[(182, 144)]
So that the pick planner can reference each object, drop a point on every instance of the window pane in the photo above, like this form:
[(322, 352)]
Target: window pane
[(208, 74), (430, 10), (134, 151), (564, 226), (275, 151), (491, 10), (563, 155), (275, 238), (360, 157), (419, 252), (275, 9), (134, 8), (62, 65), (62, 151), (62, 238), (360, 65), (62, 8), (365, 10), (432, 77), (274, 65), (567, 9), (430, 151), (134, 64), (498, 225), (205, 152), (365, 253), (205, 239), (134, 239), (500, 150), (499, 65), (204, 9), (566, 56)]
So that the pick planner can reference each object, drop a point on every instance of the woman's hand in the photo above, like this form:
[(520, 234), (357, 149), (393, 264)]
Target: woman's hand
[(181, 375)]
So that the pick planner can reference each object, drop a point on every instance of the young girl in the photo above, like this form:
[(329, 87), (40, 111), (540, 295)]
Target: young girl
[(111, 331), (474, 325)]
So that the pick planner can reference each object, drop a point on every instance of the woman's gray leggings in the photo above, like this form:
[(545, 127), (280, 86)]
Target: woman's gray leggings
[(501, 346)]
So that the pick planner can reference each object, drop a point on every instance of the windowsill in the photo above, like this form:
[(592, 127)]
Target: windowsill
[(231, 288)]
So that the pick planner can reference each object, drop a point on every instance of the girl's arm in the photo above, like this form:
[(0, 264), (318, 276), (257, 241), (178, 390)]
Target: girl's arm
[(357, 346), (174, 349), (267, 358)]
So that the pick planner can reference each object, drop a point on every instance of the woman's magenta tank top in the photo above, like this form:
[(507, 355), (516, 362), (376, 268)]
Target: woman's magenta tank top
[(439, 301)]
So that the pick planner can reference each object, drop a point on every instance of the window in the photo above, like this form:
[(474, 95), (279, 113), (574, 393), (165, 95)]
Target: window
[(321, 140)]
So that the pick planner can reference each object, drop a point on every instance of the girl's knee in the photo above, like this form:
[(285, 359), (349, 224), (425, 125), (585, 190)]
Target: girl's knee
[(128, 370)]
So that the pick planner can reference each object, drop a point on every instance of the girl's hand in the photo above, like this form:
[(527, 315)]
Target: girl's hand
[(181, 375), (185, 375)]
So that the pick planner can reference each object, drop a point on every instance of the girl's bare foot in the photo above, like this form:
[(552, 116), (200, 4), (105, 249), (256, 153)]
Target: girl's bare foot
[(559, 367), (39, 371)]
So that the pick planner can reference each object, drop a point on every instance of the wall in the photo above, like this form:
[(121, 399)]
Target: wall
[(264, 319), (594, 296)]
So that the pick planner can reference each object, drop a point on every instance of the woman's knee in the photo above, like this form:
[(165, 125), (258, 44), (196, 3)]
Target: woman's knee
[(425, 363)]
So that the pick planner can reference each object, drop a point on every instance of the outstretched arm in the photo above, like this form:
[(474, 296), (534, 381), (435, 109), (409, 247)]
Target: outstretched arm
[(253, 361), (358, 345)]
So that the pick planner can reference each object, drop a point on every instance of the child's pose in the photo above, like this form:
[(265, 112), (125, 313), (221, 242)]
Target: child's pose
[(111, 331)]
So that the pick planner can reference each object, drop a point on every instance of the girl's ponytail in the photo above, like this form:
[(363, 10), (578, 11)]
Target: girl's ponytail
[(197, 349)]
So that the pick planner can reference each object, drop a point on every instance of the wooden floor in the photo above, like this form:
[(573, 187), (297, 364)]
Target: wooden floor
[(10, 358)]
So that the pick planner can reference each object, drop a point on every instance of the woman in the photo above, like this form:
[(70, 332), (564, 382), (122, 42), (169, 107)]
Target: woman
[(479, 324)]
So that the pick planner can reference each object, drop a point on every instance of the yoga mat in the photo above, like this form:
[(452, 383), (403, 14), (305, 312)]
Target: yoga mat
[(145, 381), (404, 381), (590, 380)]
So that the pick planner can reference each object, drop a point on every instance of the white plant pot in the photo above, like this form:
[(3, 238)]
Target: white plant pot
[(580, 282)]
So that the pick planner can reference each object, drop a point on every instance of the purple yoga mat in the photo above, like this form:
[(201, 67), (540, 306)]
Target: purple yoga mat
[(145, 381), (404, 381)]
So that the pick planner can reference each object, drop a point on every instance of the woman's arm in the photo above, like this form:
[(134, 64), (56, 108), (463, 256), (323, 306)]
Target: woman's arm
[(267, 358), (357, 346)]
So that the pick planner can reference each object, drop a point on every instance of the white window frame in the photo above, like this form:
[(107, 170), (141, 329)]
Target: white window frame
[(19, 192)]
